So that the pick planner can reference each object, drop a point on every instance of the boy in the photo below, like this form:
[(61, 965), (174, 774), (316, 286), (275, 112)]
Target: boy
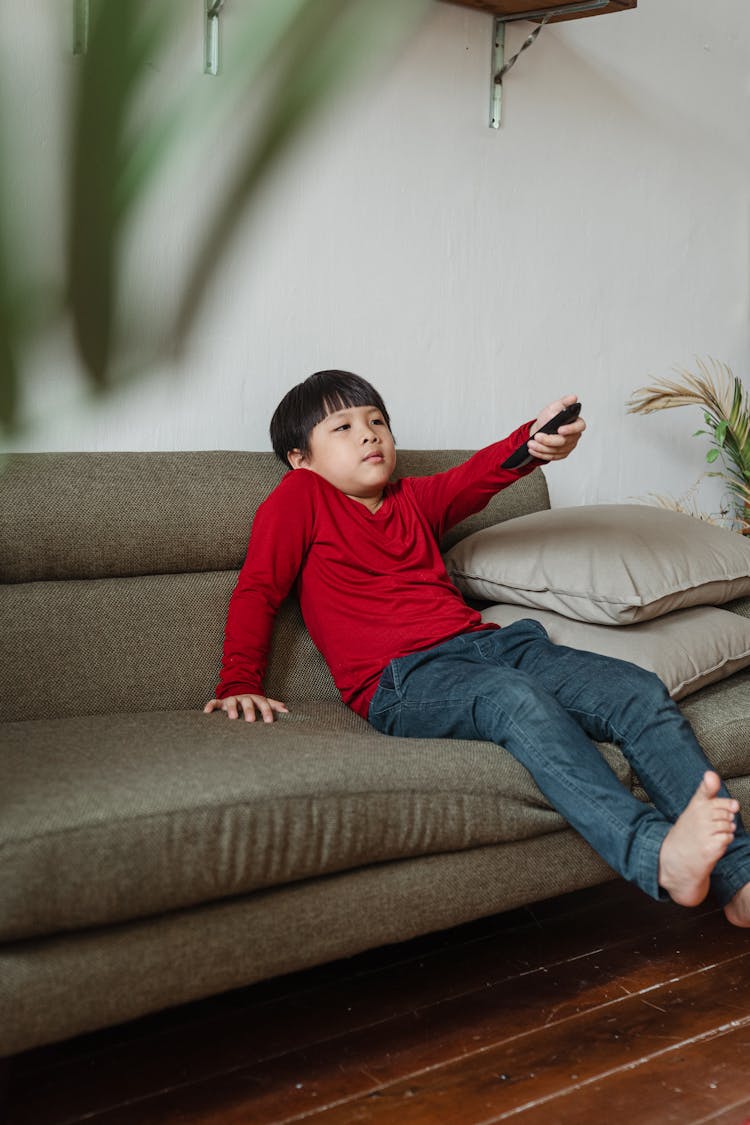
[(409, 655)]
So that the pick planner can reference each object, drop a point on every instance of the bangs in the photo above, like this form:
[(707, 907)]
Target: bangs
[(307, 404), (345, 398)]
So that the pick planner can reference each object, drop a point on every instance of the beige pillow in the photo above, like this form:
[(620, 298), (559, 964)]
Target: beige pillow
[(606, 563), (687, 649)]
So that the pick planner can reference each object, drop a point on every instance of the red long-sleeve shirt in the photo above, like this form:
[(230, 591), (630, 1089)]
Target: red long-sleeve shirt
[(371, 586)]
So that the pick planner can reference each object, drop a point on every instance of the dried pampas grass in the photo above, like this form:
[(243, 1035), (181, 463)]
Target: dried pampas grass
[(726, 411)]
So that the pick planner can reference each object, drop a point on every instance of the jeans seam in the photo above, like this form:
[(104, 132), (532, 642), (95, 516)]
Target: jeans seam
[(622, 829), (733, 881), (559, 775), (622, 741)]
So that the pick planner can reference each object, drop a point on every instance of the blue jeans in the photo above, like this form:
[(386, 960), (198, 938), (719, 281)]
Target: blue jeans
[(545, 703)]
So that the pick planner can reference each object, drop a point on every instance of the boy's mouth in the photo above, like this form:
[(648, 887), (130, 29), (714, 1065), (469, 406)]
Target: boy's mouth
[(374, 457)]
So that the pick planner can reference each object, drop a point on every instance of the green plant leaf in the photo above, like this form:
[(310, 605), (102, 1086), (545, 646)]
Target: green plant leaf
[(8, 372), (10, 328), (726, 409), (330, 42), (258, 31), (121, 43)]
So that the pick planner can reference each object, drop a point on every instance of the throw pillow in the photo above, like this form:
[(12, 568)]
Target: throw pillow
[(687, 649), (606, 563)]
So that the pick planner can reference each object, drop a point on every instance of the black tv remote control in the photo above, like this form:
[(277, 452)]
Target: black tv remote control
[(522, 456)]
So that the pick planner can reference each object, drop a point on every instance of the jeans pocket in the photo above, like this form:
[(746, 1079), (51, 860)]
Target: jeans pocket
[(505, 645), (385, 700), (387, 679), (532, 624)]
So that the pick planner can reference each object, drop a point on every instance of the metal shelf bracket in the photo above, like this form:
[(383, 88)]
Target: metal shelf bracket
[(81, 20), (211, 31), (500, 67), (211, 40)]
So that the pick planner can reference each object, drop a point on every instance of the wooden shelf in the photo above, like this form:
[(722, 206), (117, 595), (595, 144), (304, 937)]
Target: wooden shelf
[(516, 9), (541, 11)]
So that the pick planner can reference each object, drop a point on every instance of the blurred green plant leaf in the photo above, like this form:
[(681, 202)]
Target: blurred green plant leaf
[(308, 48), (328, 43), (9, 324), (9, 388), (295, 55), (258, 30), (120, 45)]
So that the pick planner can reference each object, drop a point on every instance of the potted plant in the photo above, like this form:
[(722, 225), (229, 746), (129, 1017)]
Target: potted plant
[(726, 412)]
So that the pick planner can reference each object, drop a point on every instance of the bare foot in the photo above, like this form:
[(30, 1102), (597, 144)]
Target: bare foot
[(737, 909), (696, 842)]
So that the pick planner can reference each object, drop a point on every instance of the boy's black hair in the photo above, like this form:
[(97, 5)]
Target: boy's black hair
[(310, 402)]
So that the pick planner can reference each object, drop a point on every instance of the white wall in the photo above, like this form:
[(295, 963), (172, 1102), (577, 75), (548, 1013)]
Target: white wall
[(598, 239)]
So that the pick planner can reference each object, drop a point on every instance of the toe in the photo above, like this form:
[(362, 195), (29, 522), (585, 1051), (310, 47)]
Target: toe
[(710, 784)]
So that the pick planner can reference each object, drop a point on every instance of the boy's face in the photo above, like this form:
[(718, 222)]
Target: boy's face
[(353, 450)]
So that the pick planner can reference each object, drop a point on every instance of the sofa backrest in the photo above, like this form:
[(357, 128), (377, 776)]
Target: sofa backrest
[(117, 569)]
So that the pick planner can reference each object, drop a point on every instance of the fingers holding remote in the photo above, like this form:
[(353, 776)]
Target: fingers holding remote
[(556, 447), (557, 430)]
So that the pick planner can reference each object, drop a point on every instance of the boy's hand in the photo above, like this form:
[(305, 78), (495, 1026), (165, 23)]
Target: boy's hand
[(247, 704), (555, 447)]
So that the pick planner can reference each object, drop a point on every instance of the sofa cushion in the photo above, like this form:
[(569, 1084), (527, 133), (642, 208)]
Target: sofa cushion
[(687, 649), (109, 818), (69, 983), (719, 716), (606, 563), (136, 644), (168, 513)]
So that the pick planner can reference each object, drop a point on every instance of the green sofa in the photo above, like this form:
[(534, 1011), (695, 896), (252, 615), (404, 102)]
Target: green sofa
[(151, 854)]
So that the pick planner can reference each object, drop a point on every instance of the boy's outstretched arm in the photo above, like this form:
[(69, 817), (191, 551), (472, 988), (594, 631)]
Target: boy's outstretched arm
[(555, 447), (234, 705)]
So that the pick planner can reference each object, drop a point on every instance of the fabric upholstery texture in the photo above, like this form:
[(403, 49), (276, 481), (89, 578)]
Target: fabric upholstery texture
[(105, 515), (135, 644), (719, 716), (102, 515), (69, 983), (741, 606), (687, 649), (113, 644), (604, 563), (150, 814)]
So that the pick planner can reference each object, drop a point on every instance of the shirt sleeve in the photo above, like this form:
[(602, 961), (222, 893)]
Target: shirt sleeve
[(449, 497), (280, 535)]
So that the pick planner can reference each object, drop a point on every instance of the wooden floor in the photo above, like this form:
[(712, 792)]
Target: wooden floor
[(598, 1007)]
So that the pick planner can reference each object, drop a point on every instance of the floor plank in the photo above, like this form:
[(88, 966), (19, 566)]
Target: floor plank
[(736, 1114), (688, 1084), (526, 1070)]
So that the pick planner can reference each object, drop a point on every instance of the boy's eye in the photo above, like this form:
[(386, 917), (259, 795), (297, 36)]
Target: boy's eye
[(343, 426)]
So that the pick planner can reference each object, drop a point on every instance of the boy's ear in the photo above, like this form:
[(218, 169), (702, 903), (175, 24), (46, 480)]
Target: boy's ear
[(296, 458)]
